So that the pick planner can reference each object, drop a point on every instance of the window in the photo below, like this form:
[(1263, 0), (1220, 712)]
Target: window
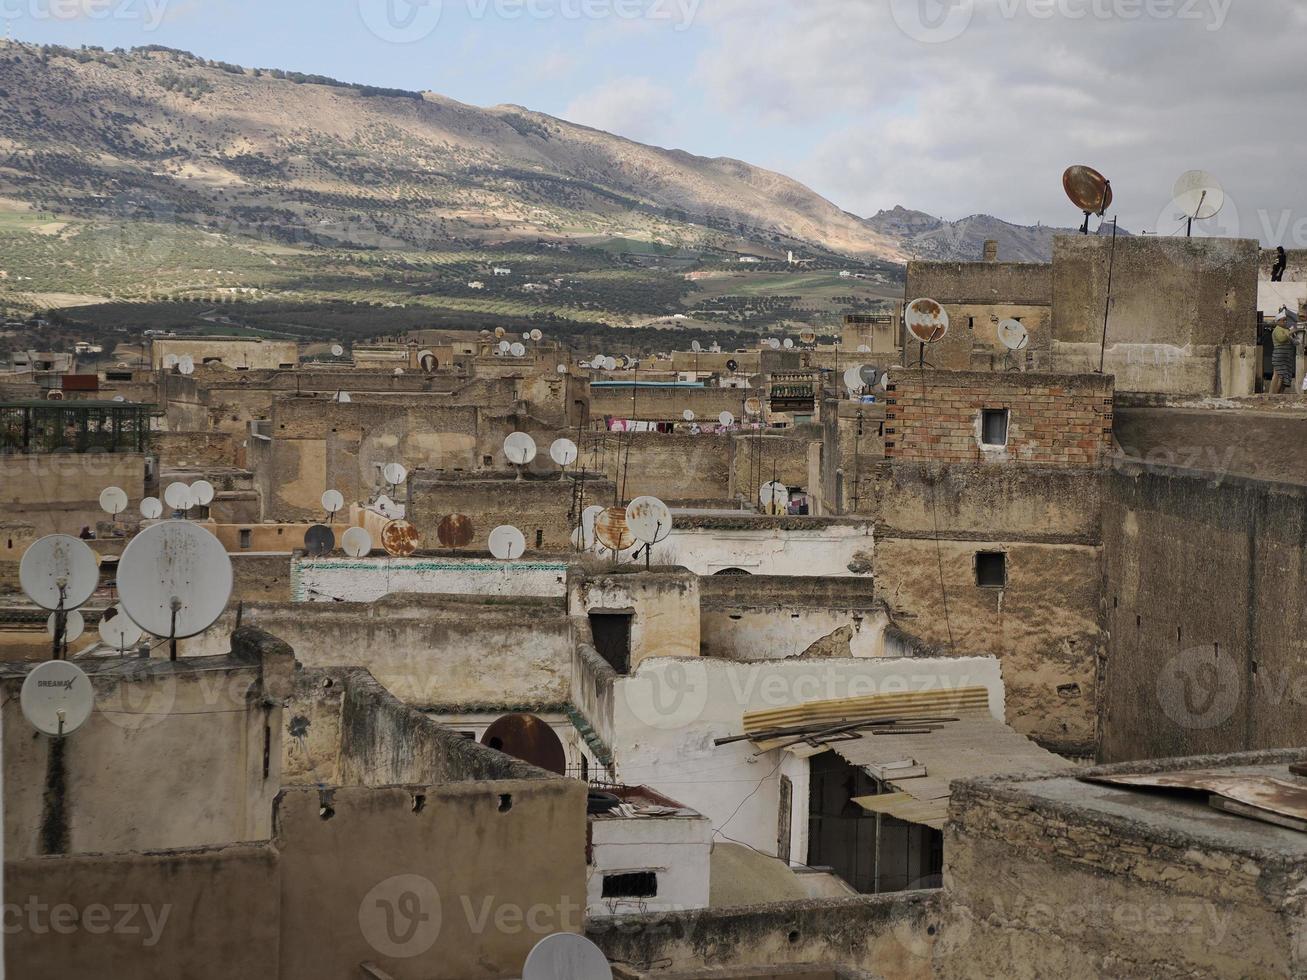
[(991, 569), (540, 538), (636, 884), (117, 375), (612, 636), (993, 427), (245, 537)]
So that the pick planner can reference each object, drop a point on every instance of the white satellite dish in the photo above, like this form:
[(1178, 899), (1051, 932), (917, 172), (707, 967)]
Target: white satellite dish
[(119, 631), (151, 508), (337, 350), (386, 506), (1198, 196), (588, 518), (504, 347), (774, 497), (537, 335), (688, 415), (1013, 335), (726, 419), (507, 543), (178, 496), (398, 371), (864, 349), (174, 579), (562, 369), (610, 364), (119, 398), (394, 473), (853, 378), (186, 365), (566, 956), (113, 500), (526, 334), (56, 565), (774, 343), (342, 397), (202, 492), (170, 361), (696, 347), (789, 343), (563, 452), (356, 542), (57, 698), (332, 501), (649, 520), (520, 448), (74, 625), (518, 350)]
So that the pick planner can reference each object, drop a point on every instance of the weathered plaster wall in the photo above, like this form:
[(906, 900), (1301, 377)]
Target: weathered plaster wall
[(664, 603), (60, 492), (233, 352), (761, 630), (810, 547), (1205, 578), (540, 508), (370, 578), (673, 467)]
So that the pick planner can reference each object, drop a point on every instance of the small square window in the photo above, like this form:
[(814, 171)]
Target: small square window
[(993, 427), (637, 884), (245, 537), (991, 569)]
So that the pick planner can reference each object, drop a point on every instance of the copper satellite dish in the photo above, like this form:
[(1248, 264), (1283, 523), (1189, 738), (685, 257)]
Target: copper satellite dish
[(612, 532), (528, 738), (400, 538), (1088, 190), (926, 320), (454, 531)]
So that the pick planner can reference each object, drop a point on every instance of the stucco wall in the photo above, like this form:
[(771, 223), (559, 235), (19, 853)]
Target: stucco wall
[(786, 546), (664, 604), (60, 492), (370, 578)]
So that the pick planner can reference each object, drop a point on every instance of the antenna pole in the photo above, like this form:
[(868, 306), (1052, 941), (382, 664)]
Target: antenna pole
[(1107, 312), (172, 629), (60, 627)]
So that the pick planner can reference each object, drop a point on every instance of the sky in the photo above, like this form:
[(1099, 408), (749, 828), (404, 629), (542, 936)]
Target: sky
[(952, 107)]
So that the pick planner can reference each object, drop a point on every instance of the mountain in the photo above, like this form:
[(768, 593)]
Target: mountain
[(923, 236)]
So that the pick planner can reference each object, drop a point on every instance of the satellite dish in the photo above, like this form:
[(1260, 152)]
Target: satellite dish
[(789, 343), (870, 375), (119, 398), (386, 506), (499, 333), (151, 508), (113, 500), (56, 565), (398, 371), (174, 579), (732, 365), (588, 518), (696, 347), (57, 698), (808, 336), (170, 361), (54, 395), (774, 343), (726, 419), (563, 452), (178, 496), (520, 448), (454, 531), (526, 335), (926, 320), (518, 350), (566, 956), (1198, 196), (394, 473), (610, 364), (507, 543), (864, 349), (356, 542), (337, 350), (753, 406), (612, 532), (118, 630), (74, 625), (1088, 190), (319, 540), (400, 538), (562, 369), (343, 398), (649, 520), (428, 361), (505, 347), (1013, 335), (688, 415), (537, 336), (853, 378), (774, 497), (202, 492), (186, 365), (333, 501)]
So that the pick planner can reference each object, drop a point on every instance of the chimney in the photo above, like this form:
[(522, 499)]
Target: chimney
[(991, 251)]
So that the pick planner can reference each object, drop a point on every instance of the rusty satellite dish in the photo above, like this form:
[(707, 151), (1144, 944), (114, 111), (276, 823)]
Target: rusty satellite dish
[(528, 738), (612, 532), (926, 320), (454, 531), (1088, 190), (400, 538), (428, 361), (753, 406), (648, 520), (808, 336), (1013, 335), (319, 540)]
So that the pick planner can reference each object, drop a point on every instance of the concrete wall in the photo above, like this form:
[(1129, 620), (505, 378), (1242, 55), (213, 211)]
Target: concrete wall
[(884, 936), (668, 404), (664, 603), (233, 352), (1205, 576), (673, 467), (370, 578), (769, 546), (760, 630), (60, 492), (677, 848), (472, 876)]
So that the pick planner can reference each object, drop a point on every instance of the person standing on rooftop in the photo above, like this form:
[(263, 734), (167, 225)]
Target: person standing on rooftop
[(1284, 357)]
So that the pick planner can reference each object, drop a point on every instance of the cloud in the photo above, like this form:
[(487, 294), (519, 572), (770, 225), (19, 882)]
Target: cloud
[(635, 107), (985, 116)]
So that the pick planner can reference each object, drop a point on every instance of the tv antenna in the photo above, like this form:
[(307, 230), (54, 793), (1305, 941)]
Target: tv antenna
[(113, 501), (57, 698), (1088, 190), (74, 625), (428, 361), (1014, 336), (337, 350), (394, 474), (174, 581), (583, 538), (507, 543), (178, 497), (1199, 196), (356, 542), (202, 493)]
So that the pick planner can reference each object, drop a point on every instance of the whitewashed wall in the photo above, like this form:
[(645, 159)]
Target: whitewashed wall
[(826, 551), (368, 579)]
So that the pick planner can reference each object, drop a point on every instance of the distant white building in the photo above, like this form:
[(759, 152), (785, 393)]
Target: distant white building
[(749, 259), (500, 271), (476, 285)]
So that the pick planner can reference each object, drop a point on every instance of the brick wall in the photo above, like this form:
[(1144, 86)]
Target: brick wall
[(1055, 420)]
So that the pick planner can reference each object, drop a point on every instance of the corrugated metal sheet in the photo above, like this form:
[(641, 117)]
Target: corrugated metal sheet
[(960, 701), (906, 807)]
